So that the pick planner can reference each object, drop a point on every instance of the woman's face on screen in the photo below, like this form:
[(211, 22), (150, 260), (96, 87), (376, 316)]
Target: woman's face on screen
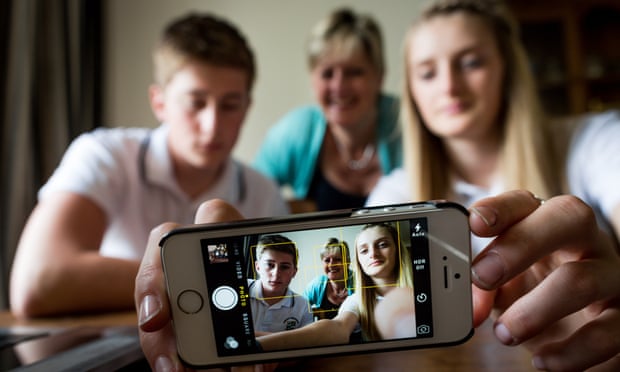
[(333, 264)]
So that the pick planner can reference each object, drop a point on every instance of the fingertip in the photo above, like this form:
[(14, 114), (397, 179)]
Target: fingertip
[(488, 270), (539, 363), (504, 335), (216, 210), (486, 214), (168, 363), (482, 220), (149, 313), (163, 364)]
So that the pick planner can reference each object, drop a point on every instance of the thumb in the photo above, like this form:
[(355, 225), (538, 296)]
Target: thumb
[(217, 210)]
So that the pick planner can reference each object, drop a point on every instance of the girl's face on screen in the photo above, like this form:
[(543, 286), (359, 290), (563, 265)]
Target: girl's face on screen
[(376, 253)]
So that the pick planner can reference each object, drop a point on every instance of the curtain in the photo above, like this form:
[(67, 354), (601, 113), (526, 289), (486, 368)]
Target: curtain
[(50, 74)]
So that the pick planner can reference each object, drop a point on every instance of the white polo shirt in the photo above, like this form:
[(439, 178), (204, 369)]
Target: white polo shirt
[(128, 172), (293, 311)]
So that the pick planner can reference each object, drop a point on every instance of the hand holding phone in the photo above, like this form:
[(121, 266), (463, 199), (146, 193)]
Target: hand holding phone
[(421, 250)]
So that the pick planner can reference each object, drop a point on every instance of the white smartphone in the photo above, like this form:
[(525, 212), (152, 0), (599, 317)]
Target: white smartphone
[(237, 300)]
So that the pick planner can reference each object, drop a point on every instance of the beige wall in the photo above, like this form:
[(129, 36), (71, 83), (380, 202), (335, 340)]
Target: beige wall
[(277, 30)]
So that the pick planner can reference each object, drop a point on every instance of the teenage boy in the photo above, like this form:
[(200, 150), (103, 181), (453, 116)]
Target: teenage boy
[(275, 307), (82, 245)]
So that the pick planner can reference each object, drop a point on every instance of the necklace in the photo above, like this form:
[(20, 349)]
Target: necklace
[(361, 163), (339, 293)]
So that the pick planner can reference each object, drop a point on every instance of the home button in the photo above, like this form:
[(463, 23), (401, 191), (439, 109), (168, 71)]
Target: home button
[(190, 301)]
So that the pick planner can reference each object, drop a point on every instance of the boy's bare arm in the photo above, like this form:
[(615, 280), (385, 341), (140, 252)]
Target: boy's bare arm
[(58, 268)]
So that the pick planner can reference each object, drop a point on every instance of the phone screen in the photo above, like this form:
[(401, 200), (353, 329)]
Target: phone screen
[(244, 272)]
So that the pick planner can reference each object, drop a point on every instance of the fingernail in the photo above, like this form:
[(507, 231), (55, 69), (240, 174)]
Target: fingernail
[(539, 363), (488, 270), (163, 364), (504, 335), (149, 307), (488, 215)]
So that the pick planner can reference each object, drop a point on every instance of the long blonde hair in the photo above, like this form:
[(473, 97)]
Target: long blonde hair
[(367, 288), (526, 159)]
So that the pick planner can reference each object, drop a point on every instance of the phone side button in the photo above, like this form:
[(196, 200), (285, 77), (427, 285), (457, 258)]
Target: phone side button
[(225, 297), (190, 301)]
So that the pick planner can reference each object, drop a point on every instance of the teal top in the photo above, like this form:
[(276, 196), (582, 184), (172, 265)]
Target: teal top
[(315, 290), (292, 146)]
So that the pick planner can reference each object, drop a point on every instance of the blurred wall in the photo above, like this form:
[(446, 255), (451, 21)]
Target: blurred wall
[(276, 29)]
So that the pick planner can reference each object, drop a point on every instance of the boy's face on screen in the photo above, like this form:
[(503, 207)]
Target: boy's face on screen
[(205, 106), (276, 270)]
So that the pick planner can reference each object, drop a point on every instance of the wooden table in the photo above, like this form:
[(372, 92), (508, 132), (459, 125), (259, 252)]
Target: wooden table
[(481, 353), (128, 318), (97, 342)]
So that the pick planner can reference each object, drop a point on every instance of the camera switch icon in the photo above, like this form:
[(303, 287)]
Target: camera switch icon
[(231, 343), (421, 298), (424, 329)]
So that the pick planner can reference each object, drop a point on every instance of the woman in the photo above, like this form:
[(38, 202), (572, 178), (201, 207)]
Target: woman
[(334, 154), (472, 128), (328, 291)]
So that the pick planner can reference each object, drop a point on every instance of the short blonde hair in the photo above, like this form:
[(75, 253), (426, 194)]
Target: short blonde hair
[(202, 38), (335, 245), (526, 160), (344, 33)]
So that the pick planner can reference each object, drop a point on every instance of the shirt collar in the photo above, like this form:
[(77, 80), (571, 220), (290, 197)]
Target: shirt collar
[(158, 170), (157, 161), (256, 291)]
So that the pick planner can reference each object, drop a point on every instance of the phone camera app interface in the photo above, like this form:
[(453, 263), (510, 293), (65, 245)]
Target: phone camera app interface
[(269, 292)]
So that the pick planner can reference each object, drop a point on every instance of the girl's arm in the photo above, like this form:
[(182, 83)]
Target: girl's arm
[(334, 331)]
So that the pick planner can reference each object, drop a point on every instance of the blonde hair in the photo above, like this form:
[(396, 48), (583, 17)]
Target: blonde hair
[(526, 161), (201, 38), (345, 33), (366, 287), (335, 245)]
